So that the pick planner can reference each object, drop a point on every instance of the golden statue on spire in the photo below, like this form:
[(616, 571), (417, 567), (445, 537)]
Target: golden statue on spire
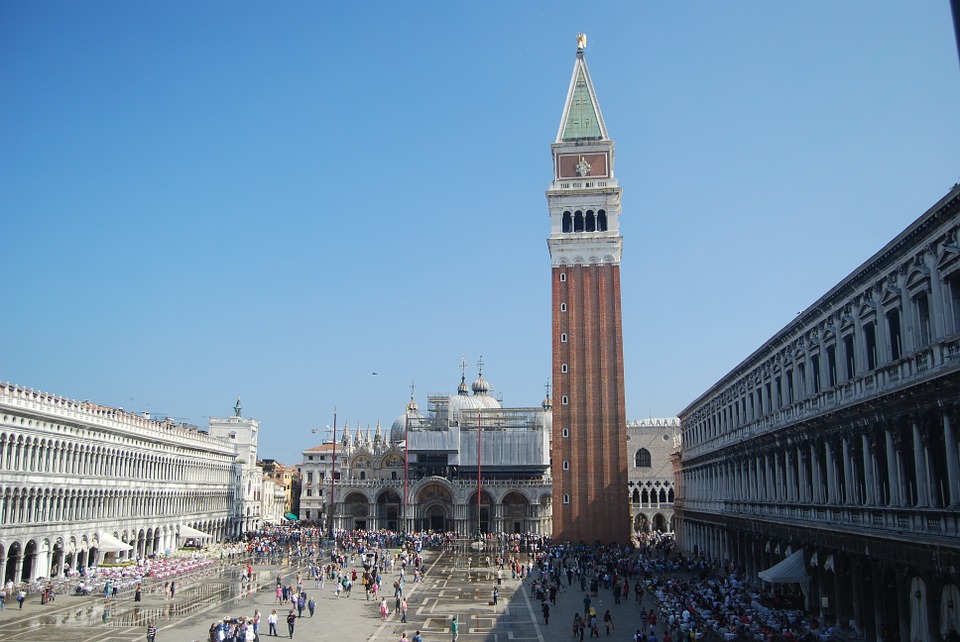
[(581, 41)]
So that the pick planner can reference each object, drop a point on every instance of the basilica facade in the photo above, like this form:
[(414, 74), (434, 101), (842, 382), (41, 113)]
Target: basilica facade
[(465, 464), (828, 459)]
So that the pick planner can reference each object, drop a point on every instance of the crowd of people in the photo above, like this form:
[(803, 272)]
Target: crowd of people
[(691, 597)]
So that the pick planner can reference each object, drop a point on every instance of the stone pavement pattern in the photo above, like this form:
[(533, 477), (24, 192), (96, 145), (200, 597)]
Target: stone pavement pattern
[(450, 587)]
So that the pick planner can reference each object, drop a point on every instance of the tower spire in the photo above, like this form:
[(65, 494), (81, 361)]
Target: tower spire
[(582, 119)]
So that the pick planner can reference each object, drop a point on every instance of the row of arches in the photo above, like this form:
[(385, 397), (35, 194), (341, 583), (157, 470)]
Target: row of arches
[(580, 221), (27, 453), (433, 507), (30, 559), (646, 496), (40, 505)]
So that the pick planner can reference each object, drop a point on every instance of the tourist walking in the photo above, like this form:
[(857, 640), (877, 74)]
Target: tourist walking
[(454, 629), (272, 621), (291, 621), (608, 622), (151, 632)]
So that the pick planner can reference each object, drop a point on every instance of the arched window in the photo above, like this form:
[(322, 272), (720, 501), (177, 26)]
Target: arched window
[(663, 496), (636, 496), (601, 220), (578, 221), (642, 458), (645, 497), (567, 224), (591, 221)]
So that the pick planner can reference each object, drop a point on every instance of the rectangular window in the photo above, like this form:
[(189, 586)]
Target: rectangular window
[(801, 380), (309, 478), (815, 366), (870, 341), (832, 365), (778, 383), (769, 398), (893, 327), (850, 355), (923, 319), (309, 492), (790, 386)]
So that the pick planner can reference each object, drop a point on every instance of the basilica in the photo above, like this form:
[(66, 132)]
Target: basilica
[(464, 464)]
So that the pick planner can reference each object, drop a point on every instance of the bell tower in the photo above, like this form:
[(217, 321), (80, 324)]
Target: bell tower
[(590, 495)]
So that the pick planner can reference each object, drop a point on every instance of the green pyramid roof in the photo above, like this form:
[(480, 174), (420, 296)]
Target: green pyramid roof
[(582, 120)]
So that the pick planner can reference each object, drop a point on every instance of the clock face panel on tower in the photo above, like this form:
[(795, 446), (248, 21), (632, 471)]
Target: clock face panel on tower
[(582, 165)]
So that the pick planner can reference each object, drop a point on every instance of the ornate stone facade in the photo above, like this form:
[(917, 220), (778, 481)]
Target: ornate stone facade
[(837, 438), (473, 466), (651, 444), (82, 483)]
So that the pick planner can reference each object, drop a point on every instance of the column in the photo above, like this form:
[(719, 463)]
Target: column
[(831, 473), (847, 471), (818, 494), (870, 489), (920, 466), (893, 470)]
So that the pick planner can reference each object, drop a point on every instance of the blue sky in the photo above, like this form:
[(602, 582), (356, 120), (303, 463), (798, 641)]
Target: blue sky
[(200, 200)]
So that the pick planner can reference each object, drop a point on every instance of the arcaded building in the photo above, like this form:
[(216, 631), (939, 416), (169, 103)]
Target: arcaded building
[(828, 459), (82, 483), (465, 464), (589, 431), (651, 444)]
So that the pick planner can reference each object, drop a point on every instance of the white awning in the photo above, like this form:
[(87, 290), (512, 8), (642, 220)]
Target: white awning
[(110, 544), (188, 532), (787, 571)]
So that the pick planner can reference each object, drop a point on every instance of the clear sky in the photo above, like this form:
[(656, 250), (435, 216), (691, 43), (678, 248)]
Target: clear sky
[(200, 200)]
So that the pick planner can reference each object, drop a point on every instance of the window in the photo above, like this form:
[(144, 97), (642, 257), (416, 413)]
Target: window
[(565, 432), (790, 386), (309, 478), (601, 220), (566, 465), (893, 328), (567, 224), (591, 222), (563, 307), (578, 221), (642, 458), (564, 400), (850, 355), (566, 498), (832, 365), (563, 337), (563, 368), (309, 492), (922, 305), (870, 339), (815, 366), (563, 277)]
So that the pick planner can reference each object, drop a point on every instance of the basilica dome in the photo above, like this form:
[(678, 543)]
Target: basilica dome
[(398, 431)]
